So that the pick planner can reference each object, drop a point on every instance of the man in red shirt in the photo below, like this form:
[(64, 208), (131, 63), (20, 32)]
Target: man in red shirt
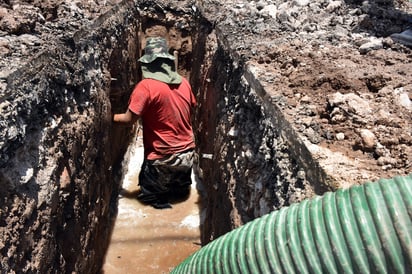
[(164, 101)]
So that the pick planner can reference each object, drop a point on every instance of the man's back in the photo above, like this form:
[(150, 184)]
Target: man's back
[(165, 110)]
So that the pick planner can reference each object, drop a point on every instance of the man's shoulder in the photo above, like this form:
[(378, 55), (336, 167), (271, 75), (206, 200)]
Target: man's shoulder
[(185, 82)]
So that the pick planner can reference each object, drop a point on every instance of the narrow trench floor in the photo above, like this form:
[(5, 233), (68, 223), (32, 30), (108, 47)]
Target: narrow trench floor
[(148, 240)]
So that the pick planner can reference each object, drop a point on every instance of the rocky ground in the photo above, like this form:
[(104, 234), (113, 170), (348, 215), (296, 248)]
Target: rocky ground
[(29, 27), (341, 70)]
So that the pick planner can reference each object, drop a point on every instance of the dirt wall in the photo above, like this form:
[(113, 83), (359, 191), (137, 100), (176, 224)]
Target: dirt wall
[(61, 155), (250, 160), (267, 130), (60, 158)]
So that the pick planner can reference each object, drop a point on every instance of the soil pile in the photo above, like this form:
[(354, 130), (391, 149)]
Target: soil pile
[(340, 70), (28, 28)]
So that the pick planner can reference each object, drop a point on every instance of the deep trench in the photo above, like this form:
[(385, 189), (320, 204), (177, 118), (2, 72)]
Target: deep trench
[(61, 161), (250, 161), (246, 166), (187, 42), (188, 52)]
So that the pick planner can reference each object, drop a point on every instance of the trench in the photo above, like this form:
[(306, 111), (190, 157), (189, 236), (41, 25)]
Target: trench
[(249, 161), (144, 239)]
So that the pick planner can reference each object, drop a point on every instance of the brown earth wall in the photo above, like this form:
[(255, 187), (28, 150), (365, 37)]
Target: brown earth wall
[(250, 160), (60, 156)]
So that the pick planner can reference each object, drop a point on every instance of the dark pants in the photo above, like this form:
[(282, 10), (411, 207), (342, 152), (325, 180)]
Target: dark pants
[(165, 179)]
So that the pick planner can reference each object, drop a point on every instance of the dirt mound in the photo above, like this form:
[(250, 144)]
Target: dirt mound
[(340, 70)]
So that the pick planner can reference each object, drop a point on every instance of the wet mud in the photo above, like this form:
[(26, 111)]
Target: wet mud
[(149, 240)]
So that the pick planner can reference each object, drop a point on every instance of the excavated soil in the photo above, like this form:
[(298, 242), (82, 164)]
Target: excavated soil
[(334, 67), (356, 106), (340, 71)]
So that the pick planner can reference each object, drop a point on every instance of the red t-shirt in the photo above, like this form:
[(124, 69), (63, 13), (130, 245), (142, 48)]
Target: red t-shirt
[(165, 110)]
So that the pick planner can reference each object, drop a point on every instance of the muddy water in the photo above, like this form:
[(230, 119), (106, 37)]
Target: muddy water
[(148, 240)]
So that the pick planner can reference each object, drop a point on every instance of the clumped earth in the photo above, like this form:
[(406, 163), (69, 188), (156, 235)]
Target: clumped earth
[(28, 28), (340, 70), (341, 73)]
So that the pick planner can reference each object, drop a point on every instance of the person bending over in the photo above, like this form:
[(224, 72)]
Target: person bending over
[(163, 100)]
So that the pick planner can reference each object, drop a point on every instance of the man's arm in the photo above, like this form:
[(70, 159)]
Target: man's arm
[(127, 118)]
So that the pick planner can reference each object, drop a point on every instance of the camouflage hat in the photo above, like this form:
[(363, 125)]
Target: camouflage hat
[(156, 47)]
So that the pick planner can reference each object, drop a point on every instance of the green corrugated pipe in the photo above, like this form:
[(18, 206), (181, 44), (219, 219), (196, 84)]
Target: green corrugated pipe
[(362, 229)]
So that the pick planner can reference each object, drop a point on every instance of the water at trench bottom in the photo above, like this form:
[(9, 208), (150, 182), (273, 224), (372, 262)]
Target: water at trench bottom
[(148, 240)]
